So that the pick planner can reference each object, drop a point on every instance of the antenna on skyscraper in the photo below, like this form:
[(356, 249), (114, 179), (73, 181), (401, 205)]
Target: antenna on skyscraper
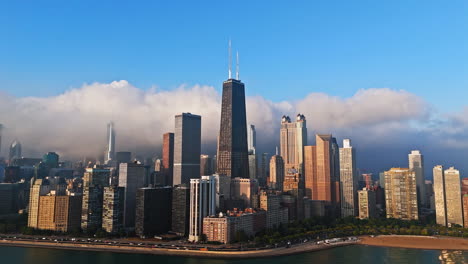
[(237, 65), (230, 59), (277, 150)]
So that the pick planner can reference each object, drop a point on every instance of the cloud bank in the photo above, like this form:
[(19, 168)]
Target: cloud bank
[(384, 124)]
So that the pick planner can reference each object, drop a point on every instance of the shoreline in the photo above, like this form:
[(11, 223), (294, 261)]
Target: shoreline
[(416, 242), (247, 254), (395, 241)]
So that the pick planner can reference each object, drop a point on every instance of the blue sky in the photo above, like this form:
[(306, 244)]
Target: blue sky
[(287, 50)]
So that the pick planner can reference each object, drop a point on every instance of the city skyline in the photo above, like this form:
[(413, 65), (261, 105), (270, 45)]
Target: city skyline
[(421, 121)]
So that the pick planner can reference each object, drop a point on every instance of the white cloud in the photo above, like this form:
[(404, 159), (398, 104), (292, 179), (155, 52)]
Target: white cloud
[(74, 122)]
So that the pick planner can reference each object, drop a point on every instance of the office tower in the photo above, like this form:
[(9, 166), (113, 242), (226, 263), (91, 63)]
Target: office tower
[(322, 182), (168, 157), (453, 197), (251, 139), (180, 210), (94, 182), (202, 204), (367, 204), (252, 166), (244, 189), (293, 138), (110, 150), (59, 212), (448, 197), (38, 188), (9, 194), (348, 179), (335, 173), (15, 151), (232, 142), (205, 165), (276, 214), (310, 171), (223, 190), (187, 144), (113, 209), (401, 194), (416, 163), (153, 211), (123, 157), (132, 176), (51, 159), (276, 172), (439, 195)]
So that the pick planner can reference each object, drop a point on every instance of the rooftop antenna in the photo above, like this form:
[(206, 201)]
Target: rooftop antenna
[(237, 65), (230, 59), (277, 150)]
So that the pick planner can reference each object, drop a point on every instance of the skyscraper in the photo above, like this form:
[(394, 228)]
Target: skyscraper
[(232, 142), (348, 179), (253, 165), (113, 209), (416, 163), (293, 138), (132, 176), (180, 209), (310, 172), (187, 145), (94, 181), (202, 204), (276, 172), (252, 139), (324, 182), (110, 151), (401, 194), (205, 165), (448, 197), (15, 151), (367, 204), (168, 157), (153, 211)]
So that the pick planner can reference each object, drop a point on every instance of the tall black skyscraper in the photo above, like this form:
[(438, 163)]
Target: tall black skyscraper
[(233, 159)]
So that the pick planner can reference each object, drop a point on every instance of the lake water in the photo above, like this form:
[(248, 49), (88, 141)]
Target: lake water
[(348, 255)]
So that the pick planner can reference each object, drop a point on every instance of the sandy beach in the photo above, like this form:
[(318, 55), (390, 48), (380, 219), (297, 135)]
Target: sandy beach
[(295, 249), (418, 242)]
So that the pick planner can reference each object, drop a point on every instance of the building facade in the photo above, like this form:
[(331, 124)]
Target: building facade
[(113, 209), (416, 163), (401, 194), (277, 172), (232, 142), (168, 158), (132, 176), (293, 138), (348, 179), (202, 204), (153, 211), (94, 181), (187, 147), (180, 210), (367, 204)]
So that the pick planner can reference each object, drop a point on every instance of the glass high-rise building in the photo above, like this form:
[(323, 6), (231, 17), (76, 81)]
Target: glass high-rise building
[(110, 151), (187, 147), (15, 151), (348, 179), (232, 142)]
